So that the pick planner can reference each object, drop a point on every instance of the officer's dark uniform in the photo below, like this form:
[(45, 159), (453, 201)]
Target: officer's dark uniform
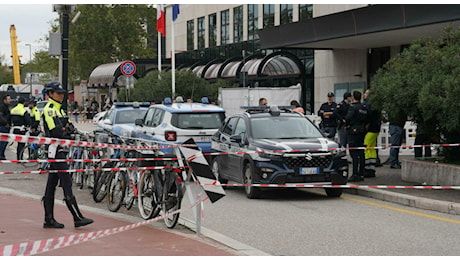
[(340, 113), (57, 125), (20, 120), (356, 121), (328, 124)]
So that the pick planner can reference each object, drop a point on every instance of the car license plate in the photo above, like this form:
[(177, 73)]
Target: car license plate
[(309, 171), (205, 139)]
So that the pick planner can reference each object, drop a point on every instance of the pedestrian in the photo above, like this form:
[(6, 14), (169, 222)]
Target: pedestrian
[(328, 120), (297, 107), (58, 125), (5, 123), (396, 130), (423, 138), (35, 118), (263, 102), (340, 113), (370, 140), (356, 122), (75, 111), (20, 121)]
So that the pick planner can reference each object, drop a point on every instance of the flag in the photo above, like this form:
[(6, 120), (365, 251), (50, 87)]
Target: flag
[(161, 27), (175, 12)]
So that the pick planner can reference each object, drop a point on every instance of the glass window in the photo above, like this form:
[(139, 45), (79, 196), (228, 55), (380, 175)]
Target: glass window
[(305, 12), (238, 24), (285, 13), (198, 120), (228, 129), (190, 34), (201, 32), (157, 117), (149, 117), (299, 128), (253, 20), (212, 21), (224, 27), (269, 15), (129, 116)]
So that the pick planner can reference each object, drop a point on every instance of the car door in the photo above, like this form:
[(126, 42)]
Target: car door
[(223, 146), (235, 157)]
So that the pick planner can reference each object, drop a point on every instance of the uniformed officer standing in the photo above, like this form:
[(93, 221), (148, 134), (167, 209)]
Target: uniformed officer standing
[(356, 124), (340, 113), (57, 125), (328, 119), (20, 120), (35, 117)]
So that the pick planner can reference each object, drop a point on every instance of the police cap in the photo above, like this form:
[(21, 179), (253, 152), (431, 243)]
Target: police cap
[(21, 100), (55, 87), (346, 95), (33, 102), (330, 94)]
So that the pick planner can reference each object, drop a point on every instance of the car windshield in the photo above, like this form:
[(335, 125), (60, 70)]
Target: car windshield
[(278, 127), (41, 105), (198, 120), (129, 116)]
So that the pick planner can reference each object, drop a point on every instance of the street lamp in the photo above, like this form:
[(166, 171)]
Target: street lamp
[(30, 68)]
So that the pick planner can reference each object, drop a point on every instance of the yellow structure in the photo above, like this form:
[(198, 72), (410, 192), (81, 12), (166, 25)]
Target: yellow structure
[(14, 55)]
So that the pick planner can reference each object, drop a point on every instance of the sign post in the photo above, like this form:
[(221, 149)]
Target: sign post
[(128, 68)]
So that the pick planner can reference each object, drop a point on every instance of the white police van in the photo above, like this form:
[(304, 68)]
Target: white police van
[(174, 123)]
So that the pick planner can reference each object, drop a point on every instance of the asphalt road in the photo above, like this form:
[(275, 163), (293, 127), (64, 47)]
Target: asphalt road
[(297, 222)]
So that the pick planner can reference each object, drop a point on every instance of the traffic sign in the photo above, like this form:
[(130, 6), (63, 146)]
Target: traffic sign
[(128, 68)]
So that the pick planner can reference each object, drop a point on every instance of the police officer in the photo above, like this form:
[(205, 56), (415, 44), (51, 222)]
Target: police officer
[(35, 117), (328, 120), (340, 113), (57, 125), (20, 120), (356, 124)]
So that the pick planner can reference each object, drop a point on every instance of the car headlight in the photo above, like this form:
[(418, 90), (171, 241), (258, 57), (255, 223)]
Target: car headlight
[(339, 152), (268, 154)]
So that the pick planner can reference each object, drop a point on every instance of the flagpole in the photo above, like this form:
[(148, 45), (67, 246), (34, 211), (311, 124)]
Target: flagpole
[(159, 53), (173, 60)]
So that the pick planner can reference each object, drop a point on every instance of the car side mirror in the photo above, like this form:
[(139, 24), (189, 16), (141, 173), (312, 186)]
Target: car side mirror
[(236, 139), (139, 122)]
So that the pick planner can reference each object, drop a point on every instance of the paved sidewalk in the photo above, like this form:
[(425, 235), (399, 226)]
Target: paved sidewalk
[(22, 219)]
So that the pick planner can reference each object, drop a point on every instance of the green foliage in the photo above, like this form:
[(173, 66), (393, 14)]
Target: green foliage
[(5, 75), (110, 33), (188, 85), (222, 83), (423, 83)]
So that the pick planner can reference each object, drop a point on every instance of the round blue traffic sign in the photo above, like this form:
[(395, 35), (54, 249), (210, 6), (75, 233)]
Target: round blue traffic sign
[(128, 68)]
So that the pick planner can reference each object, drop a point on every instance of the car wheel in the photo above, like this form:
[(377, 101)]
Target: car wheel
[(251, 191), (216, 171), (334, 192)]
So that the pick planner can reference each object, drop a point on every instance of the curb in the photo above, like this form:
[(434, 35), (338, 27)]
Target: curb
[(408, 200)]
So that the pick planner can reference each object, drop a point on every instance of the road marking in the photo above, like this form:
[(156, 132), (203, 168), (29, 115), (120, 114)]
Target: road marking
[(402, 210)]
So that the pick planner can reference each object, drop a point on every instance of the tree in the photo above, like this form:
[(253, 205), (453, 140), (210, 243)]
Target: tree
[(110, 33), (423, 83), (6, 77), (188, 85)]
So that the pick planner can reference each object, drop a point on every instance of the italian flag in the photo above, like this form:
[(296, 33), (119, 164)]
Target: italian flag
[(161, 27)]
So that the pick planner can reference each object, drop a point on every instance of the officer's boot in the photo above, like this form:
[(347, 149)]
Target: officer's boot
[(78, 218), (50, 222)]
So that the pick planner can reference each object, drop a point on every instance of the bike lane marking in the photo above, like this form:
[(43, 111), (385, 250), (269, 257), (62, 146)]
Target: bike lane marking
[(401, 210)]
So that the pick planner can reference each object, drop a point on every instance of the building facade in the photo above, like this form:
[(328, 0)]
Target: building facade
[(340, 46)]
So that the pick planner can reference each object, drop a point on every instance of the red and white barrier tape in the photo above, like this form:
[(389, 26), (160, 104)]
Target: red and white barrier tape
[(95, 170), (292, 185), (89, 160), (45, 245), (84, 122)]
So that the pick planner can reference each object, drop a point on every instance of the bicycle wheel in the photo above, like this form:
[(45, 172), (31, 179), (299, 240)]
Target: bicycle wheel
[(27, 153), (147, 197), (100, 183), (116, 190), (172, 200)]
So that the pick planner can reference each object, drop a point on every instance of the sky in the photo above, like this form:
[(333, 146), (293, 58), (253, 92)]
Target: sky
[(32, 22)]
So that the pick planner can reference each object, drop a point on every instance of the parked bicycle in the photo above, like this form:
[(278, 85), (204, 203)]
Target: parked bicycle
[(32, 151), (80, 154)]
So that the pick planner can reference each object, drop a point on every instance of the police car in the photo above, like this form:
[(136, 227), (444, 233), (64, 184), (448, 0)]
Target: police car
[(272, 145), (174, 123), (121, 113)]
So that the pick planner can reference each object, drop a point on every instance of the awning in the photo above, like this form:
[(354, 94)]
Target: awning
[(105, 75)]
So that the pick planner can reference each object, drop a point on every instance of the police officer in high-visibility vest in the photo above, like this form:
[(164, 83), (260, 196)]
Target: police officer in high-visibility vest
[(20, 120), (35, 117), (57, 125)]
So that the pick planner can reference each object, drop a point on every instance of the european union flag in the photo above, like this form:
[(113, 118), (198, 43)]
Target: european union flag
[(175, 12)]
